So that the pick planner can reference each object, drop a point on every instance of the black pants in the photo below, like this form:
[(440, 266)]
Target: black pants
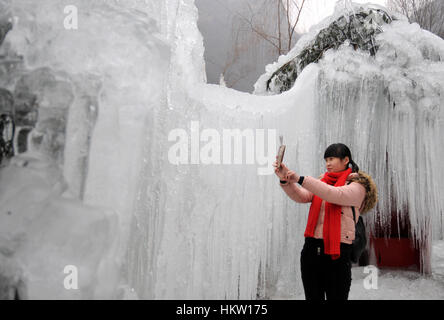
[(323, 276)]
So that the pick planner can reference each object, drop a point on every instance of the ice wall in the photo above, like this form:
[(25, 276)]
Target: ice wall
[(216, 231), (46, 239), (115, 64), (136, 72)]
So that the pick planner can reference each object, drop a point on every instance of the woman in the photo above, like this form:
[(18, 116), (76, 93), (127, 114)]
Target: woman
[(330, 230)]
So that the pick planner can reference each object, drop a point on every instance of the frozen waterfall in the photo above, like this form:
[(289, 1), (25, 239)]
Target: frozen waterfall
[(132, 74)]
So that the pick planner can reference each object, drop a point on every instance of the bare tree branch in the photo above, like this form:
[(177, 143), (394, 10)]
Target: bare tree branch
[(274, 40), (279, 24), (270, 21), (427, 13), (295, 24)]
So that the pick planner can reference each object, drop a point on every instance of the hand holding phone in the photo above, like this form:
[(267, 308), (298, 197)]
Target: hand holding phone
[(281, 152), (280, 155)]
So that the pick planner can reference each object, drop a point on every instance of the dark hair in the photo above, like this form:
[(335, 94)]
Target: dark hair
[(341, 151)]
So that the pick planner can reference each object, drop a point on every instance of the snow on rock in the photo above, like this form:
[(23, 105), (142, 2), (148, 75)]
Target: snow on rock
[(356, 28), (357, 25)]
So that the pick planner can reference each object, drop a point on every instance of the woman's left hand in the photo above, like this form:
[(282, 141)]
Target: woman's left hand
[(292, 176)]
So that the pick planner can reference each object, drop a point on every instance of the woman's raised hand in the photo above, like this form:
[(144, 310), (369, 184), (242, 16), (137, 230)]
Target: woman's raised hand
[(291, 176)]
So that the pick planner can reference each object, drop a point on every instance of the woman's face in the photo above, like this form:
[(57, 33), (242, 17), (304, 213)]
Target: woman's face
[(335, 164)]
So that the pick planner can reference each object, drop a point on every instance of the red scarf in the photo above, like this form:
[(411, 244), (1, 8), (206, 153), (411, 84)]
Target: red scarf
[(332, 217)]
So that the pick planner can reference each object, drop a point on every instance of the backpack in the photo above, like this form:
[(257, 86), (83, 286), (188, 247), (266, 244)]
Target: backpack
[(360, 241)]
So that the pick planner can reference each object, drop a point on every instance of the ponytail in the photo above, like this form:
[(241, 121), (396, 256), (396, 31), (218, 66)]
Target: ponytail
[(355, 167)]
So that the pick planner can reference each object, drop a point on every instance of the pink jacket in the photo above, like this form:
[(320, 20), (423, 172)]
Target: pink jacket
[(352, 194)]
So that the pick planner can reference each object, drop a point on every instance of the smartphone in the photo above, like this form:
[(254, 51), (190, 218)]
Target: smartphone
[(280, 155)]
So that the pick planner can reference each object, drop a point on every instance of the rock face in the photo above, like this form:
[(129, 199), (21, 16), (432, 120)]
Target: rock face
[(7, 128), (6, 101), (37, 100), (42, 102), (357, 30), (5, 26)]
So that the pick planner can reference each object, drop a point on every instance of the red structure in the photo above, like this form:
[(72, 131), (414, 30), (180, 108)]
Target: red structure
[(397, 251)]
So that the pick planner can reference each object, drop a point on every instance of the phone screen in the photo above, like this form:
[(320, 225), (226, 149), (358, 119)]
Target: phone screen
[(280, 155)]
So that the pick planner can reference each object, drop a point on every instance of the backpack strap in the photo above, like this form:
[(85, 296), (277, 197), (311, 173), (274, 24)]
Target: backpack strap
[(353, 209), (354, 214)]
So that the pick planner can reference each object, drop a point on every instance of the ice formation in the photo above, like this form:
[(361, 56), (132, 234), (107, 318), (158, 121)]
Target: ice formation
[(357, 29), (388, 108), (157, 230)]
